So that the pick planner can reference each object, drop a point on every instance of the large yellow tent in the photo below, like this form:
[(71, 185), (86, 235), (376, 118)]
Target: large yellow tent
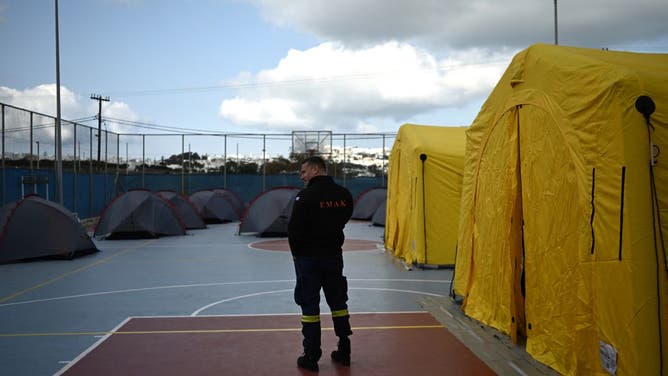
[(423, 193), (564, 214)]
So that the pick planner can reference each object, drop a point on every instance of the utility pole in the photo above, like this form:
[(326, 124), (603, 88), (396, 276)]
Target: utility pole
[(99, 100)]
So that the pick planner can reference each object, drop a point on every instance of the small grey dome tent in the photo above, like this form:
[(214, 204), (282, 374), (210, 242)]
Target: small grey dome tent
[(34, 227), (378, 218), (234, 199), (368, 202), (185, 209), (139, 213), (269, 213), (215, 207)]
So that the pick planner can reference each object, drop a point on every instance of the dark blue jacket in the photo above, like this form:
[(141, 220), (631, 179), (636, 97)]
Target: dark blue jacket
[(320, 212)]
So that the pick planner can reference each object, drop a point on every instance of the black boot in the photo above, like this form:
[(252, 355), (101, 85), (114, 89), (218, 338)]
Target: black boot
[(342, 353), (309, 360)]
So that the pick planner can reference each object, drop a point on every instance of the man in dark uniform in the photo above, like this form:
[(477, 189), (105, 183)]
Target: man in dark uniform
[(315, 232)]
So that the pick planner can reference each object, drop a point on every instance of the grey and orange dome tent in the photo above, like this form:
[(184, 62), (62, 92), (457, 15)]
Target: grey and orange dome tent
[(34, 227), (269, 213), (217, 206), (139, 213), (368, 202), (235, 200), (185, 209)]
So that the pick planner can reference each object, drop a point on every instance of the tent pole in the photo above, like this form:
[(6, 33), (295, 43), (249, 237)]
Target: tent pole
[(556, 30), (423, 158)]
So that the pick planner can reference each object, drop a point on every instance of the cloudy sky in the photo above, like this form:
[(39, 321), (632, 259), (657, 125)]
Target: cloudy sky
[(275, 66)]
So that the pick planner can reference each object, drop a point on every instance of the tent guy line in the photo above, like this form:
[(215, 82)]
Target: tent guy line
[(201, 285), (61, 276)]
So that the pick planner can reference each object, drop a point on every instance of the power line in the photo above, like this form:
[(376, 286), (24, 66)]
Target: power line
[(208, 132), (48, 125), (177, 130), (153, 126), (297, 81)]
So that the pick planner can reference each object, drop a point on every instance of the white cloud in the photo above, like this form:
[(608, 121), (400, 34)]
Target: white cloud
[(42, 99), (280, 113), (363, 127), (117, 110), (466, 23), (331, 86), (385, 62)]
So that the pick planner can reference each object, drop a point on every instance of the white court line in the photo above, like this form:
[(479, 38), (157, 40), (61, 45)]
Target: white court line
[(181, 245), (378, 245), (446, 312), (237, 298), (202, 285), (197, 312), (264, 314), (91, 348), (516, 368), (472, 333)]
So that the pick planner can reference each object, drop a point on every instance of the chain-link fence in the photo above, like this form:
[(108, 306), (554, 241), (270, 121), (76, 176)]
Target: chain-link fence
[(99, 163)]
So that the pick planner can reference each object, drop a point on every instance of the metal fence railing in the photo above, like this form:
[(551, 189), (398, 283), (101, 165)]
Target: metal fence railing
[(248, 164)]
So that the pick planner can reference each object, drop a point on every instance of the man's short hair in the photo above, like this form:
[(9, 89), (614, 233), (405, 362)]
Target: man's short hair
[(316, 161)]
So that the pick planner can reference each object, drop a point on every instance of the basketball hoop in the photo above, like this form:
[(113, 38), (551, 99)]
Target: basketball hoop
[(311, 143)]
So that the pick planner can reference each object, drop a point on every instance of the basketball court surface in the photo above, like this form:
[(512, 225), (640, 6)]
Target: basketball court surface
[(216, 303)]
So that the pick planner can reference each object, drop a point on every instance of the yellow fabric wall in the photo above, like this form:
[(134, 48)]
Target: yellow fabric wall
[(408, 208), (558, 160)]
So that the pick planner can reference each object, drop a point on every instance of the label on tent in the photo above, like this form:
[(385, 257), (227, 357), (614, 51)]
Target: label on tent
[(608, 357)]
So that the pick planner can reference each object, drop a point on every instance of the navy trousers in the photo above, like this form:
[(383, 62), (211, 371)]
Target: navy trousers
[(314, 273)]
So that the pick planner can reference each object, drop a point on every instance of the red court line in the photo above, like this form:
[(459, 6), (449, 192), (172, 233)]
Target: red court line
[(383, 344)]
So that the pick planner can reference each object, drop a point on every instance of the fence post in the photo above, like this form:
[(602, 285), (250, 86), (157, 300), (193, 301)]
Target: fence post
[(143, 159), (4, 188), (343, 168), (74, 170), (118, 158), (264, 163), (90, 173), (382, 172), (31, 140), (183, 164), (225, 163)]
